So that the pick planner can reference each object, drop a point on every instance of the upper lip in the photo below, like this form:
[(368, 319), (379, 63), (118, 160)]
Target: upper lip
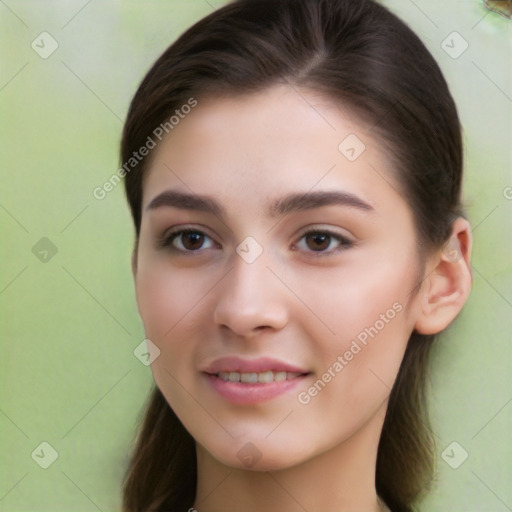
[(262, 364)]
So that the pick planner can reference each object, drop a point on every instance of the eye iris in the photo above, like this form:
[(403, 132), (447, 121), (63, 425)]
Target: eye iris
[(320, 241), (192, 241)]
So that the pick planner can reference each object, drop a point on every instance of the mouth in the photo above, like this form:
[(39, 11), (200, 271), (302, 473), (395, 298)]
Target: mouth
[(265, 367), (265, 377), (249, 382)]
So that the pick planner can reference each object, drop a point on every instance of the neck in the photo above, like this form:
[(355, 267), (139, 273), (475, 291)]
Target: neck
[(340, 479)]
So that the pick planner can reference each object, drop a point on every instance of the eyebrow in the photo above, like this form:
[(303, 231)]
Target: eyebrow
[(186, 201), (282, 206), (310, 200)]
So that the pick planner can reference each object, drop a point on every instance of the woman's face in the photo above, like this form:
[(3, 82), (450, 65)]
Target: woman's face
[(283, 311)]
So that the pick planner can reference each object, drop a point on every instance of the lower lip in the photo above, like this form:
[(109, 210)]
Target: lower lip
[(247, 394)]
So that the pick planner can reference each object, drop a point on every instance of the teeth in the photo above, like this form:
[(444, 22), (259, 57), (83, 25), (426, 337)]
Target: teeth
[(249, 378), (265, 377), (262, 378), (279, 376)]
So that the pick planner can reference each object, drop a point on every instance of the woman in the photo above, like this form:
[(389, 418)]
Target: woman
[(294, 177)]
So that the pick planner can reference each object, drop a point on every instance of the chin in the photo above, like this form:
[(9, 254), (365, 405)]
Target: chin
[(257, 456)]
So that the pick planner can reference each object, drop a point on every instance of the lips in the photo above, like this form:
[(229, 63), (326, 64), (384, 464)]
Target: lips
[(258, 366), (249, 382)]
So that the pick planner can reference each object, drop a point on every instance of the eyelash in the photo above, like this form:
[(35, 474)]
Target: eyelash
[(166, 242)]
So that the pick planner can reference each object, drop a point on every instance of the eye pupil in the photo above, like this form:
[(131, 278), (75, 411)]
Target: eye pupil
[(196, 240), (321, 241)]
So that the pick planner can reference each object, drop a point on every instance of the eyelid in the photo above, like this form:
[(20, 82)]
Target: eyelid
[(327, 228)]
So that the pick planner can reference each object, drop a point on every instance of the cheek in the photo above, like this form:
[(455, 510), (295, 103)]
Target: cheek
[(177, 312), (167, 298), (366, 313), (357, 370), (349, 299), (168, 301)]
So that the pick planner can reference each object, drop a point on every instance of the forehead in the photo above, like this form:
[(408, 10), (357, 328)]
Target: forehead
[(247, 148)]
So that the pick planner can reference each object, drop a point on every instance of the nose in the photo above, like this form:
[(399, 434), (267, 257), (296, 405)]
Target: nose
[(251, 299)]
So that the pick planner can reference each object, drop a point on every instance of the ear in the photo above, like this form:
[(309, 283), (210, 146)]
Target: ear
[(448, 283)]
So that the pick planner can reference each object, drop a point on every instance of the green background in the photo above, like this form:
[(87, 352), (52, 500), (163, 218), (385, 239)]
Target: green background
[(69, 323)]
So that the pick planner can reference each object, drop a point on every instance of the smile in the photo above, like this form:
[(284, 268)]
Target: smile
[(243, 381), (261, 378)]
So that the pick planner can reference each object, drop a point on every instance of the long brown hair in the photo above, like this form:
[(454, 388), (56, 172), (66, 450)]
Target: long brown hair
[(363, 57)]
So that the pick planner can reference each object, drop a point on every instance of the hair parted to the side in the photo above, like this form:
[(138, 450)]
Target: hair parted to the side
[(361, 56)]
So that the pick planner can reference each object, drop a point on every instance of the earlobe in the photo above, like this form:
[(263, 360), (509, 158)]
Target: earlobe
[(448, 284)]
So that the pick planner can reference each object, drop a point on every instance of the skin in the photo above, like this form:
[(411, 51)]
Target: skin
[(292, 303)]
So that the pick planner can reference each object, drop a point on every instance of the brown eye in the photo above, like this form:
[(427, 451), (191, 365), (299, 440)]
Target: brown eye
[(318, 241), (192, 241)]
